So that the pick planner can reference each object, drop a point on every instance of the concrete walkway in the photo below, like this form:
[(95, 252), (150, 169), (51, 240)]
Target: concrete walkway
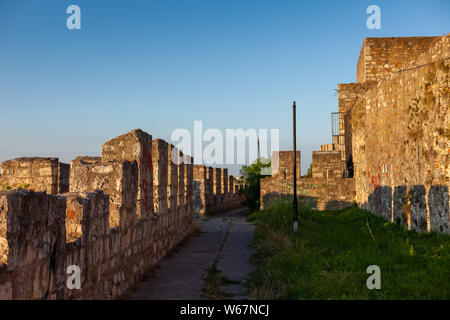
[(224, 242)]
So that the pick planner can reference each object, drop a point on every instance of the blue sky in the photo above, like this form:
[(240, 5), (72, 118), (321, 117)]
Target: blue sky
[(160, 65)]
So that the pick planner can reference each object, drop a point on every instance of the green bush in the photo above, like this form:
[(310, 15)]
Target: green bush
[(252, 175)]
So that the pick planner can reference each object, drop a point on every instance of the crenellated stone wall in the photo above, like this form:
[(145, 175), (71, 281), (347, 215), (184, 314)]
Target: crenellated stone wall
[(316, 193), (327, 164), (325, 190), (33, 246), (117, 179), (118, 216), (282, 163), (137, 146), (214, 190), (160, 159), (38, 174), (327, 147), (199, 189)]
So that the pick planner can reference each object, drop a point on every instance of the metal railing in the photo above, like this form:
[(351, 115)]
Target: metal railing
[(337, 123)]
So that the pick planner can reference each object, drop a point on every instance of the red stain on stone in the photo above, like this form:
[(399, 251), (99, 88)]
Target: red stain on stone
[(71, 214)]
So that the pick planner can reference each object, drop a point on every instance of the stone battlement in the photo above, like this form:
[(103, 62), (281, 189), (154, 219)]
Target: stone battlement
[(118, 216), (214, 190), (327, 164), (325, 190), (43, 174)]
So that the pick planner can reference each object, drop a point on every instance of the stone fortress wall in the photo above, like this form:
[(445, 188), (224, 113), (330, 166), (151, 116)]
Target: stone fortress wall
[(325, 190), (113, 216), (401, 133), (393, 138), (397, 130), (383, 56)]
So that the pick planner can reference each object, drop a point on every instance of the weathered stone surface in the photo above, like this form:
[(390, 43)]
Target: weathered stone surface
[(96, 227), (135, 145), (348, 94), (327, 147), (160, 175), (188, 179), (282, 163), (327, 164), (205, 199), (217, 181), (118, 179), (34, 226), (38, 174), (91, 251), (74, 215), (199, 189), (181, 178), (172, 185), (3, 251), (209, 189), (318, 193), (382, 56), (224, 180), (380, 202), (400, 131)]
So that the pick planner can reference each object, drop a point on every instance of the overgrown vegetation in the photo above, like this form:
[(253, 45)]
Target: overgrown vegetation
[(252, 175), (213, 281), (7, 188), (329, 256), (427, 100)]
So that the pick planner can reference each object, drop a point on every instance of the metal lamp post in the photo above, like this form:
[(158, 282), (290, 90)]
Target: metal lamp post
[(295, 201)]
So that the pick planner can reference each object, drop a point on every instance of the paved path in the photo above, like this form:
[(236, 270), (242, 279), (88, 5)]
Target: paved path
[(224, 242)]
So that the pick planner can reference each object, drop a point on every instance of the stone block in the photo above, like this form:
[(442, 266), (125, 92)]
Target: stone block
[(283, 163), (135, 145), (160, 175), (173, 162), (118, 179), (38, 174), (33, 223)]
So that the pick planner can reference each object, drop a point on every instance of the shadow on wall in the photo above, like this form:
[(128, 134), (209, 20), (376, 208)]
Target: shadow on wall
[(308, 201), (416, 207), (198, 204)]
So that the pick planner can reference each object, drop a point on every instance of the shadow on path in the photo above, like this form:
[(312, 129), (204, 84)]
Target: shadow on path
[(223, 243)]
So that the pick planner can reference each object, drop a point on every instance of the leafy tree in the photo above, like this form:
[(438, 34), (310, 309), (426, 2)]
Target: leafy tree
[(309, 173), (252, 175)]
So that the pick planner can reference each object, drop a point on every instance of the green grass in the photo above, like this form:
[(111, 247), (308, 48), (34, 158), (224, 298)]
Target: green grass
[(329, 256)]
